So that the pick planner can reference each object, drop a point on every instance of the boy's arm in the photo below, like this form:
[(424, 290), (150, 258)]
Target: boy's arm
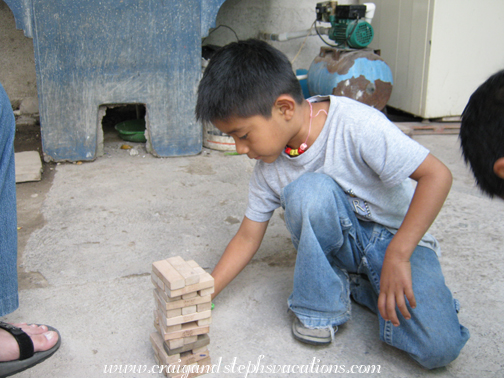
[(238, 253), (433, 184)]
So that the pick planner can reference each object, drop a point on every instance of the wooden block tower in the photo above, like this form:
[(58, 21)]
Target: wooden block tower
[(182, 316)]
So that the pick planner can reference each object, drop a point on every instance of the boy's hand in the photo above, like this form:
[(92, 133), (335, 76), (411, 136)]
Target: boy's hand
[(395, 285)]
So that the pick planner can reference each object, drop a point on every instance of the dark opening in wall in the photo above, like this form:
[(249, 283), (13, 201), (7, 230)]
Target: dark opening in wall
[(119, 113)]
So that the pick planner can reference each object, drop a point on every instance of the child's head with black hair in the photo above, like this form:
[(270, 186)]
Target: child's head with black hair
[(482, 135), (244, 79), (250, 92)]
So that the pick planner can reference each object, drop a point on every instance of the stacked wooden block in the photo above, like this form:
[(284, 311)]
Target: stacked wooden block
[(182, 317)]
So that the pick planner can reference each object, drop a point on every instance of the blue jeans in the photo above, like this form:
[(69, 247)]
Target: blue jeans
[(8, 217), (332, 243)]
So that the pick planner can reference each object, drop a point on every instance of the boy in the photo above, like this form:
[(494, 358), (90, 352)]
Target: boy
[(482, 135), (348, 204)]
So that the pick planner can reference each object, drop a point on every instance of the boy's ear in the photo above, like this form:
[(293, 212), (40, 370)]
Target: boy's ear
[(285, 105), (499, 167)]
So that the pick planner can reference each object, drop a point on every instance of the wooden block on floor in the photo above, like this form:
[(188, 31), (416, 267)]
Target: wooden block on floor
[(171, 278), (201, 342), (185, 270)]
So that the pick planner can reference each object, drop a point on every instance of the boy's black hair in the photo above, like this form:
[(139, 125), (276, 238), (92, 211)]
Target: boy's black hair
[(244, 79), (482, 133)]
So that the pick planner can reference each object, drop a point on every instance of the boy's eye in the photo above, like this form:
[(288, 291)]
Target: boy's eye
[(244, 137)]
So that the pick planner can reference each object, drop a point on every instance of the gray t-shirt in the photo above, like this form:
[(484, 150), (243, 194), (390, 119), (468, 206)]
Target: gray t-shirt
[(367, 155)]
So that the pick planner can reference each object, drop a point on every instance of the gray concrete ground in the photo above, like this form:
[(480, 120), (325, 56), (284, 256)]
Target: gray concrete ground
[(90, 233)]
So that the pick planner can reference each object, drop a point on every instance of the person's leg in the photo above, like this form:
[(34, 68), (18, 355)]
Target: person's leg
[(8, 222), (325, 233), (433, 336), (45, 342)]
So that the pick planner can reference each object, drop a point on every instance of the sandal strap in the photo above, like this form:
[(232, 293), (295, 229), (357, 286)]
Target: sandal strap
[(24, 341)]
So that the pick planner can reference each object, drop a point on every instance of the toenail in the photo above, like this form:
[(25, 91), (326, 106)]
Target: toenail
[(50, 335)]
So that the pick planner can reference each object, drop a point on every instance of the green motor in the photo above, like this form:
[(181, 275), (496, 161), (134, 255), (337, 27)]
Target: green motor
[(348, 27)]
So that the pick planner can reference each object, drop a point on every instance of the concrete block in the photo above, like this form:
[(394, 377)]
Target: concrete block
[(28, 166)]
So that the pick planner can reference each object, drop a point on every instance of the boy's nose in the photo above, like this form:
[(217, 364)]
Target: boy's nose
[(241, 147)]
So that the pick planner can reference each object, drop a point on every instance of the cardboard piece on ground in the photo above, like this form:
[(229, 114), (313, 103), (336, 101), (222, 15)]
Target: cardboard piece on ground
[(28, 166)]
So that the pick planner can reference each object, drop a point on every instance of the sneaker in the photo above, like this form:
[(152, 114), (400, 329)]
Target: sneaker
[(314, 336)]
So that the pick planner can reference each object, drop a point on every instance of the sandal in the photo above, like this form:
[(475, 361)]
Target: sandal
[(27, 356), (313, 336)]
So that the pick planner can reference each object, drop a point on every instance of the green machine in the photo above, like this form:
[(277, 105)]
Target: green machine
[(349, 29)]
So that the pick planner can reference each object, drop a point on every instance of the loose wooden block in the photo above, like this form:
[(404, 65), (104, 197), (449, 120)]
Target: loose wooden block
[(206, 281), (170, 305), (188, 329), (186, 318), (201, 342), (171, 278), (185, 270), (189, 310)]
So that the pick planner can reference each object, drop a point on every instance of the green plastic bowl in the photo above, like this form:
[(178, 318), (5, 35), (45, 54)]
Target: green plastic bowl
[(132, 131)]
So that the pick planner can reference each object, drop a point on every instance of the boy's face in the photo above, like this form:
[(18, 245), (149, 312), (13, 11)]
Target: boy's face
[(258, 137)]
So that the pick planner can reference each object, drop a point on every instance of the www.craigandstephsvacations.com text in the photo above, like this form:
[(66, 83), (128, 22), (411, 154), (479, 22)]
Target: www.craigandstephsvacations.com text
[(258, 367)]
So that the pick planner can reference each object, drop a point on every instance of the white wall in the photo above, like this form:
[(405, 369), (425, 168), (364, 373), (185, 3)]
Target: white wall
[(249, 17)]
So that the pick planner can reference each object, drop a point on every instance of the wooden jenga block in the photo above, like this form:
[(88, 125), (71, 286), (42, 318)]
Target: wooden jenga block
[(189, 310), (157, 281), (204, 306), (206, 292), (190, 340), (157, 345), (204, 322), (185, 318), (188, 358), (188, 329), (206, 281), (201, 342), (190, 276), (175, 343), (171, 278), (170, 305), (190, 295)]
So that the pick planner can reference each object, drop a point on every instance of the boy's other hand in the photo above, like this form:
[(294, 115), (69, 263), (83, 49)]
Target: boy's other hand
[(395, 286)]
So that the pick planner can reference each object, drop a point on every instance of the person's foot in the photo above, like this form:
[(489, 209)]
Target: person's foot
[(314, 336), (42, 339)]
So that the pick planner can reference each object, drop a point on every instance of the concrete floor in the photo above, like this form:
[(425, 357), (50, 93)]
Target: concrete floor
[(90, 233)]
